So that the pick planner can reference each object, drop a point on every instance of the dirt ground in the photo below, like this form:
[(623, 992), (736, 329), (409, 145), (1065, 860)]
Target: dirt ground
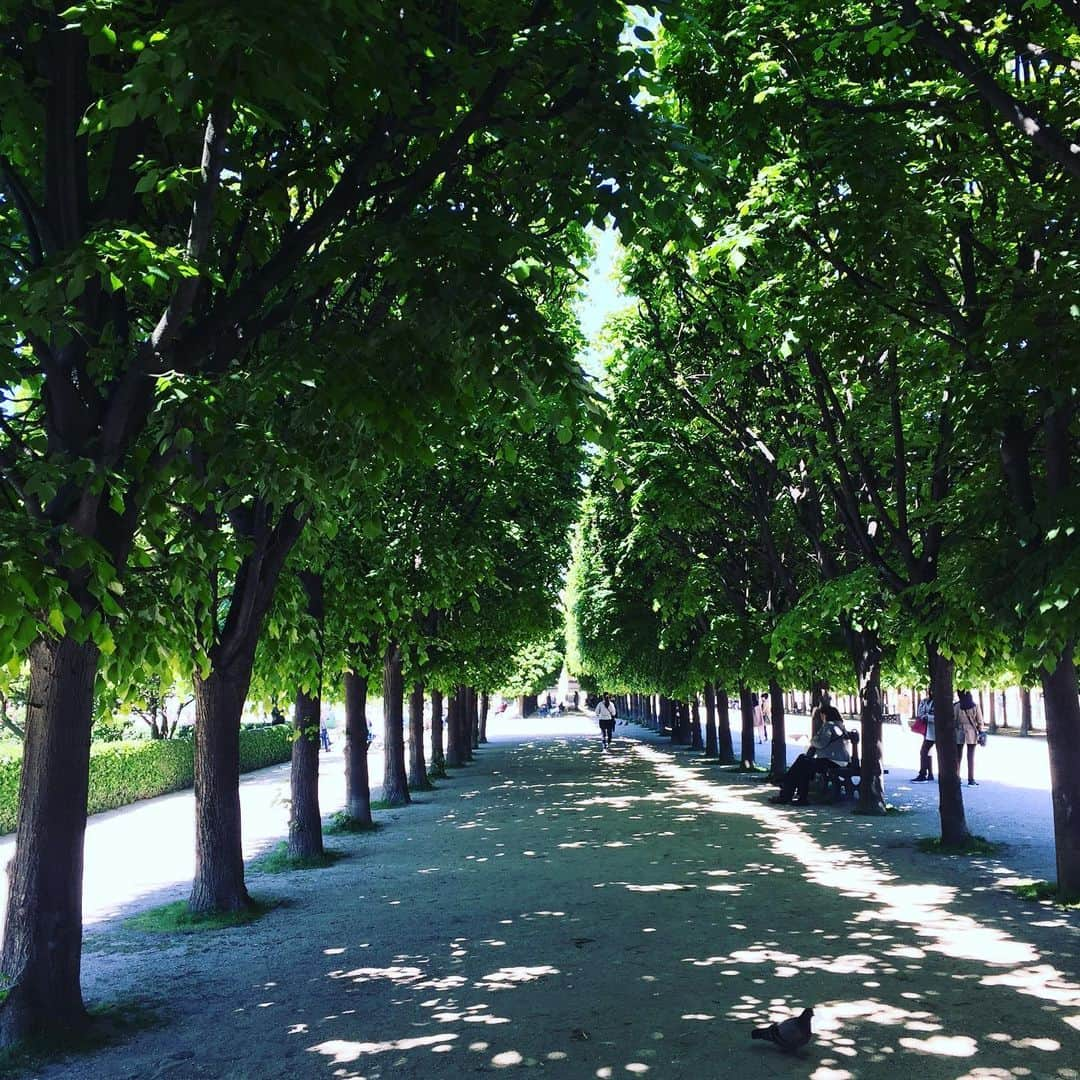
[(580, 913)]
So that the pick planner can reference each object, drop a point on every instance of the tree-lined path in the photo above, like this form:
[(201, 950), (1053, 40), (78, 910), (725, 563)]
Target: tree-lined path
[(620, 914)]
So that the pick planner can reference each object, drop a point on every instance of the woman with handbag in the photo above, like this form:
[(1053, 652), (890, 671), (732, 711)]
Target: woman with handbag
[(967, 716), (923, 725)]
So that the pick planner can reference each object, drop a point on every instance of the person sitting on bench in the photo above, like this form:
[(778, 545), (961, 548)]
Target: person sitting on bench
[(827, 750)]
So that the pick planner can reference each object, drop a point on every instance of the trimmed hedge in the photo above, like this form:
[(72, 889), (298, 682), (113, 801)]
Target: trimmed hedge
[(125, 772)]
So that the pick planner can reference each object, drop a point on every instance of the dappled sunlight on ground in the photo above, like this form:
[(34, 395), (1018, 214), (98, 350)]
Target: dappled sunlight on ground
[(636, 912)]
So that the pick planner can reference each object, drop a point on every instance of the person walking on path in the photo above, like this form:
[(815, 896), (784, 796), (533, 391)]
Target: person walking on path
[(605, 715), (924, 719), (759, 718), (967, 716)]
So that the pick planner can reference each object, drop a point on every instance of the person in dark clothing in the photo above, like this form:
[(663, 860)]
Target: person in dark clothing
[(827, 749)]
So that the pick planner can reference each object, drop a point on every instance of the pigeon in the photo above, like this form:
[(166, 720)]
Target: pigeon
[(791, 1034)]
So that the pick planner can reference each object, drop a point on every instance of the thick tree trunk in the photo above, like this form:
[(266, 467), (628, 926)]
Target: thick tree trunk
[(696, 741), (778, 714), (305, 817), (711, 744), (418, 780), (438, 753), (725, 746), (1025, 710), (485, 707), (954, 830), (993, 711), (454, 752), (868, 671), (474, 720), (1063, 741), (42, 950), (219, 858), (395, 780), (357, 781), (686, 734), (746, 708)]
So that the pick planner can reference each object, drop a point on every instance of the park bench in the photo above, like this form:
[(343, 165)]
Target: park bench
[(841, 781)]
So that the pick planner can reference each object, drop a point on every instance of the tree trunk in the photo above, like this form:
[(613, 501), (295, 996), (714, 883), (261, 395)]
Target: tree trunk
[(485, 707), (778, 761), (1005, 709), (746, 707), (868, 671), (42, 950), (711, 744), (219, 858), (357, 781), (1063, 741), (954, 830), (395, 780), (418, 780), (1025, 711), (686, 735), (454, 755), (219, 705), (305, 818), (696, 741), (725, 747), (438, 754), (993, 710), (474, 721)]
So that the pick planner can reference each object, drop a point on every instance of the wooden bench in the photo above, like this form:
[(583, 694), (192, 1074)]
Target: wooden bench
[(841, 781)]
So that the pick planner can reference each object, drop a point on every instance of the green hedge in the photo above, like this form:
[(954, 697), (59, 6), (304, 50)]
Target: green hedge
[(122, 773)]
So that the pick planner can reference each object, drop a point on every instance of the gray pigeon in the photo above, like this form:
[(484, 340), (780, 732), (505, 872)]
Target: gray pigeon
[(791, 1034)]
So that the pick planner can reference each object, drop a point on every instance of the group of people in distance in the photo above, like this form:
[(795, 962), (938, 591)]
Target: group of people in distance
[(828, 748), (968, 725)]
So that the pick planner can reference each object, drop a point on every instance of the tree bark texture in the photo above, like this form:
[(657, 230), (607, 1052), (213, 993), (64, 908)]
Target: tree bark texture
[(418, 780), (305, 817), (357, 779), (954, 830), (868, 669), (1063, 740), (1025, 711), (696, 741), (455, 706), (485, 708), (438, 752), (746, 708), (395, 779), (42, 951), (711, 744), (474, 721), (219, 859), (725, 747), (777, 718)]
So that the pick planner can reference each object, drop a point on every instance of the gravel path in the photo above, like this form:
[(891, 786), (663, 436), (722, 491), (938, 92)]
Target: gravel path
[(590, 914)]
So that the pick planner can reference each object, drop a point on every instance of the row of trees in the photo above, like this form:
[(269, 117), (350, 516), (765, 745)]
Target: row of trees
[(288, 378), (846, 401)]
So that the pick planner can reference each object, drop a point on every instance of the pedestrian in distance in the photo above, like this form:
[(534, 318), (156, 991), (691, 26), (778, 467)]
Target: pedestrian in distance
[(324, 735), (605, 715), (759, 720), (967, 717), (924, 724)]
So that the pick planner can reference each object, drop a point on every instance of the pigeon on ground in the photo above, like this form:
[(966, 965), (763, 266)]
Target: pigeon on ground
[(791, 1034)]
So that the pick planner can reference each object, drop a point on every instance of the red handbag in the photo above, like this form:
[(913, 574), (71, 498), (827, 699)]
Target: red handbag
[(919, 725)]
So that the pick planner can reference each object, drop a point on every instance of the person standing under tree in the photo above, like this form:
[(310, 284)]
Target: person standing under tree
[(925, 719), (605, 715), (967, 716)]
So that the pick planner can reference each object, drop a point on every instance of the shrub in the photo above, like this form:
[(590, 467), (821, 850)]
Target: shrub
[(123, 773)]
